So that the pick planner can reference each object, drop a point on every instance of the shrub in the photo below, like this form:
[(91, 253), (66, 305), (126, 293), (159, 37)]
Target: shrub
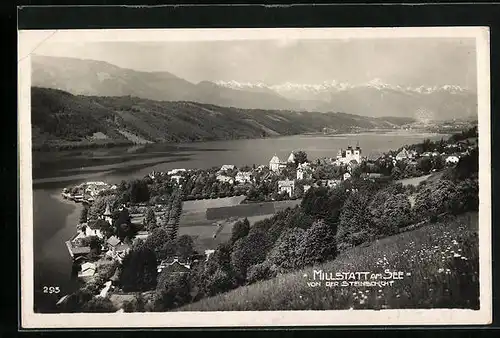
[(354, 225), (249, 251), (100, 305), (317, 244), (173, 290), (284, 256), (258, 272)]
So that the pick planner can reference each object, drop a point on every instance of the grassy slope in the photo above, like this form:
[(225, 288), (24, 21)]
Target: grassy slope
[(425, 253), (59, 117)]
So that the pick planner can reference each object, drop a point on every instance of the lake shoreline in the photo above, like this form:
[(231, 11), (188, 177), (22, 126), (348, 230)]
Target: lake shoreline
[(89, 145)]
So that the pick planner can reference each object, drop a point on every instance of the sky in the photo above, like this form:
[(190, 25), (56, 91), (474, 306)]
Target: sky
[(397, 61)]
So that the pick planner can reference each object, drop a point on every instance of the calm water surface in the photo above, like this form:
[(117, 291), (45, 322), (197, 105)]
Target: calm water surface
[(55, 219)]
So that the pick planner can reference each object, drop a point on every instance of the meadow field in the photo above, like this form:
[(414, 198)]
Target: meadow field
[(438, 265), (199, 218)]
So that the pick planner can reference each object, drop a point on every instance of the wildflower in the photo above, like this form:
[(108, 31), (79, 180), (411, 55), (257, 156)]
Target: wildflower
[(456, 255), (440, 270)]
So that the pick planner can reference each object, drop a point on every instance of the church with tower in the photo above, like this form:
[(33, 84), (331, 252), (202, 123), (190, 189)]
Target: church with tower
[(349, 155)]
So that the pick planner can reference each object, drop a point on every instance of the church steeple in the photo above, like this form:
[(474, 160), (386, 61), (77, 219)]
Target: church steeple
[(108, 211)]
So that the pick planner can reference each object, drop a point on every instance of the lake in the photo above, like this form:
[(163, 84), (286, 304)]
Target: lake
[(55, 219)]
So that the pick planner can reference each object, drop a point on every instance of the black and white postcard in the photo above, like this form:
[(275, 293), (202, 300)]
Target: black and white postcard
[(254, 177)]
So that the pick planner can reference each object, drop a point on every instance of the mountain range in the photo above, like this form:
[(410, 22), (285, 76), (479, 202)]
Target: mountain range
[(373, 99)]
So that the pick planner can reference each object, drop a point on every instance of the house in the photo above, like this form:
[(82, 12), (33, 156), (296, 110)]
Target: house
[(117, 246), (291, 158), (243, 177), (350, 154), (176, 171), (173, 266), (107, 216), (176, 178), (371, 176), (305, 165), (89, 232), (87, 271), (332, 183), (347, 176), (225, 179), (300, 174), (143, 235), (227, 167), (208, 253), (403, 155), (274, 163), (427, 154), (452, 159), (286, 186)]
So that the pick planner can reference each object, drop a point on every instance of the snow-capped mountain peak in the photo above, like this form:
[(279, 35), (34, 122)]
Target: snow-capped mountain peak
[(289, 88)]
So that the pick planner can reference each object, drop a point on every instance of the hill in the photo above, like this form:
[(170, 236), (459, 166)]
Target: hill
[(99, 78), (438, 261), (61, 119)]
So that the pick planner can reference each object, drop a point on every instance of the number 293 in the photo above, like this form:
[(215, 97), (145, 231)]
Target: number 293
[(51, 289)]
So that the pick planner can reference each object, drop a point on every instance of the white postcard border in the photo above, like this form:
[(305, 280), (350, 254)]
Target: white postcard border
[(29, 40)]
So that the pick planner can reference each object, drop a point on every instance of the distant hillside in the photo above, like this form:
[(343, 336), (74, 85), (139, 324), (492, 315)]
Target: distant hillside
[(62, 119)]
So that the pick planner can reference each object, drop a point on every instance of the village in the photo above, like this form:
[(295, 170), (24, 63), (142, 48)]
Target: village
[(107, 232)]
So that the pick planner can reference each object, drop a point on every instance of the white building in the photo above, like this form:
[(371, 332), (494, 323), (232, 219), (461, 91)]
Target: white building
[(291, 158), (286, 186), (303, 174), (452, 159), (350, 154), (176, 171), (176, 178), (300, 174), (347, 176), (306, 188), (243, 177), (225, 179), (274, 163), (305, 165), (227, 167), (332, 183), (403, 155)]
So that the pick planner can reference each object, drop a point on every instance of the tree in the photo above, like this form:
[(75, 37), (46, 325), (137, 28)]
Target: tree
[(100, 305), (161, 243), (240, 230), (424, 164), (284, 256), (139, 270), (123, 225), (173, 290), (185, 246), (395, 214), (258, 272), (435, 198), (354, 226), (248, 251), (83, 214), (139, 191), (99, 205), (317, 244), (150, 220), (300, 157)]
